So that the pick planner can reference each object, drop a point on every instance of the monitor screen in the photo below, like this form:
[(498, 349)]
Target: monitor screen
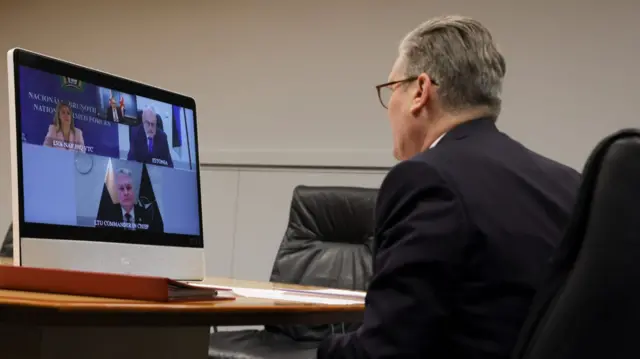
[(101, 163)]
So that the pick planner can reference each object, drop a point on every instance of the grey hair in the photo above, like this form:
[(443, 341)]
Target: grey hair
[(148, 109), (124, 171), (459, 54)]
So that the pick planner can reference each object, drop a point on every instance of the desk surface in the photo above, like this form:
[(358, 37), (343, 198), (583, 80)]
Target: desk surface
[(54, 309)]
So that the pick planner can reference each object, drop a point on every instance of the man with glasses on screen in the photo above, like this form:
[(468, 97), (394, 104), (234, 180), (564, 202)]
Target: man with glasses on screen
[(466, 222), (149, 143)]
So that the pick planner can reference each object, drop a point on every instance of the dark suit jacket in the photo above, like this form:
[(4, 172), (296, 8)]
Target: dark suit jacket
[(464, 232), (114, 214), (109, 112), (139, 150)]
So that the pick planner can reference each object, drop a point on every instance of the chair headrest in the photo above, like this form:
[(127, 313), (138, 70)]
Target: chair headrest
[(613, 222), (608, 189), (333, 214), (589, 303)]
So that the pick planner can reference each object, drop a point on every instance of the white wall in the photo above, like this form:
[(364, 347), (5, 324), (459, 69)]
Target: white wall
[(290, 81), (247, 212)]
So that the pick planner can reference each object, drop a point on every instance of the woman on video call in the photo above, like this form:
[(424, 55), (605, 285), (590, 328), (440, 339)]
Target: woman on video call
[(62, 133)]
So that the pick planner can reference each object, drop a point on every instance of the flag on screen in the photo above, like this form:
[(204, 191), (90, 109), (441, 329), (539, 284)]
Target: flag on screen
[(176, 139), (147, 199), (109, 193)]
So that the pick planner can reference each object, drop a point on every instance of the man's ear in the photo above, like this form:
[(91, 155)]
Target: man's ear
[(421, 94)]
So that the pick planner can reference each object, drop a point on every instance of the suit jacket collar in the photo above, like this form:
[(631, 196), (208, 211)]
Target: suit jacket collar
[(466, 129), (437, 140)]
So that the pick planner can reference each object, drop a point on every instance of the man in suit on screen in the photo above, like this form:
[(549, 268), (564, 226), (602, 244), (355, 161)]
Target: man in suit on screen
[(127, 213), (114, 113), (150, 144), (467, 220)]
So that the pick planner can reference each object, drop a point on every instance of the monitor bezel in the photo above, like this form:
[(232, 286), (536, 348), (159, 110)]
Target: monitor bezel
[(22, 57)]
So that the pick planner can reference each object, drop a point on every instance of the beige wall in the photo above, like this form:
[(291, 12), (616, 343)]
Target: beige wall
[(281, 82)]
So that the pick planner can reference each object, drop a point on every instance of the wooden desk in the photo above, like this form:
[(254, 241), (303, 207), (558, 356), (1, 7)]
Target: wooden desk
[(38, 325)]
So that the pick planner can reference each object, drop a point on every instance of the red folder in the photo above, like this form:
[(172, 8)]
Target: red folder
[(105, 285)]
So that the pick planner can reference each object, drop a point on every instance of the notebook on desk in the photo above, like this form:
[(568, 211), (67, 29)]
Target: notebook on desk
[(119, 286), (326, 296)]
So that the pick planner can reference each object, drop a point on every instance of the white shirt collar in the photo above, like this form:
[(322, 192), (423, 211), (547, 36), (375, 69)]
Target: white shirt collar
[(437, 140), (132, 213)]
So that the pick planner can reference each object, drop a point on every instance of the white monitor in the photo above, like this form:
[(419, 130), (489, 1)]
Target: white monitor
[(105, 172)]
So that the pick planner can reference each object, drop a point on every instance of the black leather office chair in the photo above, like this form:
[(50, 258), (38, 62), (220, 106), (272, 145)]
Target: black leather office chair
[(327, 243), (7, 244), (590, 305)]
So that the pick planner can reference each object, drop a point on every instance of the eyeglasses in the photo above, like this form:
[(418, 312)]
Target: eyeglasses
[(148, 123), (386, 90)]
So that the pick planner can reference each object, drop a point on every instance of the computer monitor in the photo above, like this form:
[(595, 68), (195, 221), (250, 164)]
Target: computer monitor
[(105, 172)]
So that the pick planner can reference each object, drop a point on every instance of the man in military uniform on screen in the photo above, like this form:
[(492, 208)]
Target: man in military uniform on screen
[(127, 213)]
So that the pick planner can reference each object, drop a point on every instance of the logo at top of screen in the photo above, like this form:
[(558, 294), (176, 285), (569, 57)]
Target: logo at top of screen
[(72, 84)]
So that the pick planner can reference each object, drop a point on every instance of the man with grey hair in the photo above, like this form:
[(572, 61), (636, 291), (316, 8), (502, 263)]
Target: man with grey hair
[(126, 213), (467, 221), (149, 143)]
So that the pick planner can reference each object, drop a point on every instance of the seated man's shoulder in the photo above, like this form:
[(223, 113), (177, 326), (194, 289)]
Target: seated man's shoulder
[(411, 177), (411, 170), (144, 213), (425, 167), (161, 134), (140, 209), (428, 174), (562, 169)]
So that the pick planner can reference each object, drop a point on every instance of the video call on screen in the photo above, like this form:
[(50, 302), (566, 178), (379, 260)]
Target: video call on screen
[(96, 157)]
